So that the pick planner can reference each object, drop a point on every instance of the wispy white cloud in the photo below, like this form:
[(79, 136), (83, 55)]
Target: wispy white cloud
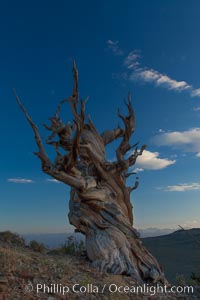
[(20, 180), (132, 59), (191, 223), (188, 140), (182, 187), (195, 93), (153, 76), (149, 75), (196, 108), (137, 170), (114, 47), (53, 180), (151, 161)]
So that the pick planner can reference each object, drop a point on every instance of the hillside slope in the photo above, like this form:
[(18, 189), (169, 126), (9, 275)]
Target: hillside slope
[(178, 252), (22, 269)]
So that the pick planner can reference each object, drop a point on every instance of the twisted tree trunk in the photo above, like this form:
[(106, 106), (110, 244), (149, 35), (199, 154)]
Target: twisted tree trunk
[(100, 204)]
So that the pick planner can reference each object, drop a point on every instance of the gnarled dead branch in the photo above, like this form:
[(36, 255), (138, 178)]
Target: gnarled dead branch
[(100, 205)]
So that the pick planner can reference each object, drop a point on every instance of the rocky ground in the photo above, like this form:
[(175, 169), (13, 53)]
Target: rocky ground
[(26, 274)]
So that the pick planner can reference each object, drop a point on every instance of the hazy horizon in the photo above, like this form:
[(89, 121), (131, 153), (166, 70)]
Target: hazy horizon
[(68, 230)]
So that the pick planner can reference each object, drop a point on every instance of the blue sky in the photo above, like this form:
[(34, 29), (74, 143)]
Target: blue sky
[(150, 48)]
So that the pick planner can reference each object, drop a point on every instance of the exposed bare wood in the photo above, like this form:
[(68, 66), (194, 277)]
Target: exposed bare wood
[(47, 165), (100, 205)]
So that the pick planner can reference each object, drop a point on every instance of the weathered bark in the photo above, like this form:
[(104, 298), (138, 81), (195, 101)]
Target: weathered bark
[(100, 205)]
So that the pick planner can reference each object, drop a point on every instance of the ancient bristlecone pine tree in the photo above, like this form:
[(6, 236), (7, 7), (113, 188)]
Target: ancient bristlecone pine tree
[(100, 204)]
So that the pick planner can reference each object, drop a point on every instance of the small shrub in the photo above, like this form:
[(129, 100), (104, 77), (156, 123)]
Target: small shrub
[(73, 247), (57, 251), (180, 280), (12, 238), (37, 247), (195, 279)]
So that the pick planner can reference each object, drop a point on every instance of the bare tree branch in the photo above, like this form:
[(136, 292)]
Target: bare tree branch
[(129, 123), (47, 166), (100, 205), (46, 163)]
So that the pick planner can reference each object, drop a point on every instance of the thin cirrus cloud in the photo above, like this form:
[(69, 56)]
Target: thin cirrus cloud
[(114, 47), (137, 170), (197, 108), (192, 223), (182, 187), (52, 180), (20, 180), (136, 72), (187, 141), (151, 161), (131, 61), (195, 93), (152, 76), (26, 180)]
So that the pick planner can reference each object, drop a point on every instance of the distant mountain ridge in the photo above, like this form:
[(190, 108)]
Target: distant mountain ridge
[(53, 240), (177, 252), (153, 231)]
